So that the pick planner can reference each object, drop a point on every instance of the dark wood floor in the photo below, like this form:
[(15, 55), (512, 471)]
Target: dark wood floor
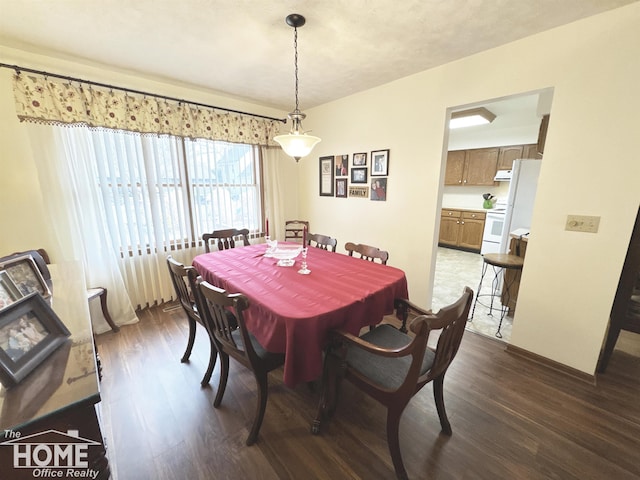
[(511, 419)]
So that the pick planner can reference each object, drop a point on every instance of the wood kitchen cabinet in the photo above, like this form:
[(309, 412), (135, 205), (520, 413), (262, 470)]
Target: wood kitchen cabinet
[(461, 229), (471, 167), (513, 152)]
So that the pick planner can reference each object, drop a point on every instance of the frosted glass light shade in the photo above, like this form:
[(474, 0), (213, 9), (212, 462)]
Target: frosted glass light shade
[(297, 145)]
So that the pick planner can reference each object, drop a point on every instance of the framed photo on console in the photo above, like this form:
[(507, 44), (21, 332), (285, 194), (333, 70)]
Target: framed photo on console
[(29, 332), (23, 274)]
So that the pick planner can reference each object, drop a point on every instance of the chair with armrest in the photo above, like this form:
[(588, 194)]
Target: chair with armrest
[(392, 366), (215, 305), (367, 252), (226, 239), (322, 241), (294, 229), (180, 279)]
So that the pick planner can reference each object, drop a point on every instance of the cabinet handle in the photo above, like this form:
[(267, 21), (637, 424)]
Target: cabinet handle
[(459, 181), (458, 222), (462, 223)]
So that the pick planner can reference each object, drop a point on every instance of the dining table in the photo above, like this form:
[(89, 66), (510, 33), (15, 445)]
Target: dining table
[(293, 313)]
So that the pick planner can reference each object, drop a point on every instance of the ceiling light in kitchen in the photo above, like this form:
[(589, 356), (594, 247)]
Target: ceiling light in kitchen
[(472, 117)]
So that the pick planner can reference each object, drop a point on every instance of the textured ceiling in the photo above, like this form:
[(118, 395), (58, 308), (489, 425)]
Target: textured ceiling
[(244, 47)]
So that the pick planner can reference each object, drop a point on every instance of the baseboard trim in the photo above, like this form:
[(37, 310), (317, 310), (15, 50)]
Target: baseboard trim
[(556, 366)]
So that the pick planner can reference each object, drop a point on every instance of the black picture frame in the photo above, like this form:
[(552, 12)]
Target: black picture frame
[(326, 176), (23, 274), (359, 159), (341, 187), (30, 331), (379, 163), (358, 175)]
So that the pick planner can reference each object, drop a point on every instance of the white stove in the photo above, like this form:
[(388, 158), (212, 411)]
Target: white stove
[(493, 227)]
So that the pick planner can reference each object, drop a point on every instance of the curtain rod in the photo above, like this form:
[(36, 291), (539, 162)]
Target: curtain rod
[(19, 69)]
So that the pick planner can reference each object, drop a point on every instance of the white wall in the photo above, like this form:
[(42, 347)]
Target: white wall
[(590, 167)]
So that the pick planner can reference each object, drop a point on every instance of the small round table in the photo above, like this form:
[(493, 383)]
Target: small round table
[(499, 262)]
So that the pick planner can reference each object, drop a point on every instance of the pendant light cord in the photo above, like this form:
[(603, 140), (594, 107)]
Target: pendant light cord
[(295, 48)]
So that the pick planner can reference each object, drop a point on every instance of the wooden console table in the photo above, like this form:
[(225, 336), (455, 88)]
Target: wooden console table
[(58, 403)]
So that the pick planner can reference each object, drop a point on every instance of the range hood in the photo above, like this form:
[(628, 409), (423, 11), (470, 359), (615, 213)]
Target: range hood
[(502, 176)]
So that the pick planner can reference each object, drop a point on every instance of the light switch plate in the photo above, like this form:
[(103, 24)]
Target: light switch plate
[(582, 223)]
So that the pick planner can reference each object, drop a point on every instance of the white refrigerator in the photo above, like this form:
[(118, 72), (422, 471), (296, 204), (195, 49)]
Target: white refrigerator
[(521, 197)]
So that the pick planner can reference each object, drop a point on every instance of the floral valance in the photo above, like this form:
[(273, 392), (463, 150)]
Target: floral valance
[(49, 100)]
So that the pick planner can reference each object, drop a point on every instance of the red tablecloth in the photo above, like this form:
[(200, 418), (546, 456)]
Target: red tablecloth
[(293, 313)]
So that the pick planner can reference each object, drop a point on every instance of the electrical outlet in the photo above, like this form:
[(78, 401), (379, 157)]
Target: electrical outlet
[(582, 223)]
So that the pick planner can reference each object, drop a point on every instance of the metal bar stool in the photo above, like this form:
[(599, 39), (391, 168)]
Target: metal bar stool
[(499, 262)]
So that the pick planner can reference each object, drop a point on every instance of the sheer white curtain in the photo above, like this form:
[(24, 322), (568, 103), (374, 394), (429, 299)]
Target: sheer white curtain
[(122, 202), (273, 161), (77, 214)]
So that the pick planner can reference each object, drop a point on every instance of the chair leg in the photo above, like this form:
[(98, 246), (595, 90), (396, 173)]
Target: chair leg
[(393, 440), (224, 374), (105, 311), (438, 394), (213, 356), (263, 392), (192, 337)]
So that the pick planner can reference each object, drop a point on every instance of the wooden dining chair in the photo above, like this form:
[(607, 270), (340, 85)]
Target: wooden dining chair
[(392, 366), (215, 303), (180, 280), (294, 229), (226, 239), (322, 241), (367, 252)]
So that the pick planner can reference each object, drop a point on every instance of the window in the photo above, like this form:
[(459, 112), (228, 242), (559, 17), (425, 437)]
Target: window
[(161, 192)]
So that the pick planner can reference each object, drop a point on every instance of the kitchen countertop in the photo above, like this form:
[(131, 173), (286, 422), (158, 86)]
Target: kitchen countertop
[(468, 209), (523, 237)]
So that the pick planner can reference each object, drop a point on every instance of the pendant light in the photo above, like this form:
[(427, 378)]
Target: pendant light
[(296, 143)]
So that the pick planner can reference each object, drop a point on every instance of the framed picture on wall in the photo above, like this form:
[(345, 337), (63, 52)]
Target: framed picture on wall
[(358, 175), (379, 189), (380, 163), (359, 159), (342, 165), (341, 187), (326, 176)]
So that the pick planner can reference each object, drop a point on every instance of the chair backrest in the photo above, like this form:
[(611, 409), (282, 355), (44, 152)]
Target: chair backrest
[(367, 252), (293, 229), (451, 320), (215, 305), (226, 239), (322, 241), (179, 277)]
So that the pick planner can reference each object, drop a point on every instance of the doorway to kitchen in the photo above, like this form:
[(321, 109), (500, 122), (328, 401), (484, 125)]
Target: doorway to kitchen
[(479, 154)]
